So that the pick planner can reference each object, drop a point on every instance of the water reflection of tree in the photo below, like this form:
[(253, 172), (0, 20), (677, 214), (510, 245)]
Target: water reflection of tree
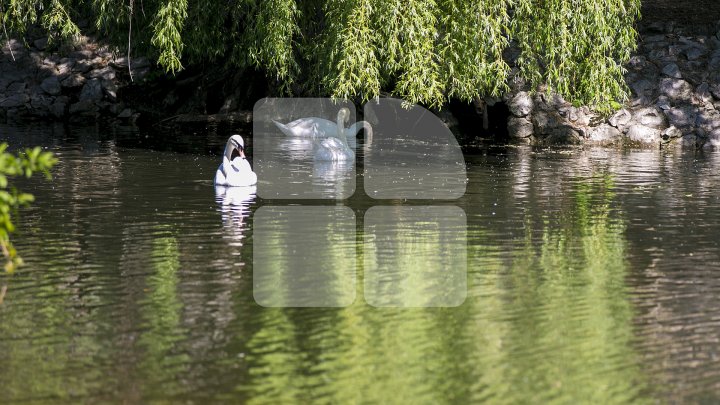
[(100, 310), (554, 324)]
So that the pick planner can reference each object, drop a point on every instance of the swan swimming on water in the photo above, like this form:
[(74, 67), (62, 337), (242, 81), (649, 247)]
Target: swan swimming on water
[(235, 170), (334, 148), (314, 127)]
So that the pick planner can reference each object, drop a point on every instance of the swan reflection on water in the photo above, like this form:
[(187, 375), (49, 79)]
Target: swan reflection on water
[(331, 171), (234, 204), (296, 148)]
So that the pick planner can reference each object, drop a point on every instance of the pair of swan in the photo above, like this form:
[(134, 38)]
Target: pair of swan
[(333, 142), (235, 170)]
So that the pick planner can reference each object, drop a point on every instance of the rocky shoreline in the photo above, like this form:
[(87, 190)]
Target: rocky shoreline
[(77, 82), (674, 77)]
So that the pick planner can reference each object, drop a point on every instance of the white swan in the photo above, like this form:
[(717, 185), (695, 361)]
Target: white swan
[(235, 170), (334, 148), (314, 127)]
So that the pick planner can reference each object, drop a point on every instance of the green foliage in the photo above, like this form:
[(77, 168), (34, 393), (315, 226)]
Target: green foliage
[(24, 164), (167, 26), (421, 50), (577, 48), (54, 15)]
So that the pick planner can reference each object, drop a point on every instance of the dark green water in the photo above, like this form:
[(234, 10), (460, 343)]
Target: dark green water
[(590, 276)]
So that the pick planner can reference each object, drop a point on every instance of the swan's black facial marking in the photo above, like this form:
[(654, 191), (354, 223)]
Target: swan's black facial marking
[(235, 153)]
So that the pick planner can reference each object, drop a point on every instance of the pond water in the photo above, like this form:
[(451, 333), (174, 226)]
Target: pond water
[(571, 275)]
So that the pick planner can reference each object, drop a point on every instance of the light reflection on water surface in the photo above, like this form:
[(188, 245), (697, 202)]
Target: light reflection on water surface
[(592, 276)]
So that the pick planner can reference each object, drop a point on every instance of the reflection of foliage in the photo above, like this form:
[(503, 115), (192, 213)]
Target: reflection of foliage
[(554, 325), (163, 313), (573, 304), (23, 164)]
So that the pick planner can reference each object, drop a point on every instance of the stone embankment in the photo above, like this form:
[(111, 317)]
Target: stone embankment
[(674, 80), (69, 82), (674, 77)]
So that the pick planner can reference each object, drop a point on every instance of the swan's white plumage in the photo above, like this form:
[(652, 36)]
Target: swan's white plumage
[(316, 128), (332, 149), (235, 171)]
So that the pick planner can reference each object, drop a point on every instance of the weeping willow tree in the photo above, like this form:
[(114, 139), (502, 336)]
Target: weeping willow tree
[(424, 51)]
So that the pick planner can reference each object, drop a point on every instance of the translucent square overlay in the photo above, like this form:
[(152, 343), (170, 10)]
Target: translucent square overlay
[(284, 153), (413, 155), (304, 256), (415, 256)]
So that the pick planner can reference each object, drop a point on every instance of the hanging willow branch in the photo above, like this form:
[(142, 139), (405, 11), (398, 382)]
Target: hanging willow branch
[(421, 50)]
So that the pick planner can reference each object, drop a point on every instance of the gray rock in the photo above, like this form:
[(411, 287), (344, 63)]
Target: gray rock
[(676, 89), (715, 90), (604, 133), (620, 119), (14, 100), (714, 62), (51, 86), (545, 121), (642, 86), (681, 117), (82, 54), (708, 119), (41, 43), (83, 107), (51, 60), (663, 103), (581, 116), (642, 134), (713, 138), (17, 87), (650, 117), (92, 91), (672, 70), (140, 62), (40, 104), (111, 89), (126, 113), (563, 135), (64, 68), (521, 105), (518, 127), (106, 73), (692, 141), (703, 93), (139, 74), (637, 62), (675, 50), (557, 101), (648, 39), (695, 53), (135, 63), (82, 66), (73, 81), (671, 132), (59, 108), (658, 54), (116, 108)]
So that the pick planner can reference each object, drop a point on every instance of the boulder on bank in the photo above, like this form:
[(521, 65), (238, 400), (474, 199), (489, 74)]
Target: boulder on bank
[(44, 83), (674, 80)]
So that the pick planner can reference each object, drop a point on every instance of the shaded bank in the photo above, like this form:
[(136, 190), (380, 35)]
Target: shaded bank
[(675, 90)]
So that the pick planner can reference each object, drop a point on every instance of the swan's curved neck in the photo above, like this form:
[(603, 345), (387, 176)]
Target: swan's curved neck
[(368, 131), (341, 126), (229, 149)]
